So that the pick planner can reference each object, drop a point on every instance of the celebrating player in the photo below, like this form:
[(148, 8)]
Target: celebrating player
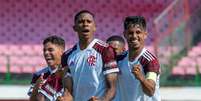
[(91, 63), (46, 84), (139, 69)]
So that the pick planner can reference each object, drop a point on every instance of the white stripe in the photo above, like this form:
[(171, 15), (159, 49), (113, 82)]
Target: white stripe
[(68, 75), (110, 64), (46, 94), (111, 71), (150, 55), (58, 94), (30, 90), (102, 43), (50, 89), (141, 53), (146, 57), (92, 43)]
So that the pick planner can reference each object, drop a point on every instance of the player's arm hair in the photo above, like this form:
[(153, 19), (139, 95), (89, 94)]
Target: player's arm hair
[(111, 86)]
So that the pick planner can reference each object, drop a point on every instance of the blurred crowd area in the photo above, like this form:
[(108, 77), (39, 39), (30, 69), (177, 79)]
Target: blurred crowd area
[(173, 27)]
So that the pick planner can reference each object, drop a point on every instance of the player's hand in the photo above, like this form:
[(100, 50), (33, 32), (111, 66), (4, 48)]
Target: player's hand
[(137, 72), (40, 81), (94, 98), (66, 97)]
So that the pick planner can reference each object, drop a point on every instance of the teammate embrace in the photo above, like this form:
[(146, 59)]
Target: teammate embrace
[(93, 70)]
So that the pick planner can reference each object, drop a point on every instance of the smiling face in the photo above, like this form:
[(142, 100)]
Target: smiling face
[(52, 54), (135, 36), (85, 25)]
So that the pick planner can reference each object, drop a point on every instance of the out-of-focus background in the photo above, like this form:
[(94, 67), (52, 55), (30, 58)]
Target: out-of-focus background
[(174, 28)]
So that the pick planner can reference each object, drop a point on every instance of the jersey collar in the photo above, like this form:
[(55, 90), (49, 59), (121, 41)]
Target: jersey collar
[(136, 59), (92, 43), (52, 71)]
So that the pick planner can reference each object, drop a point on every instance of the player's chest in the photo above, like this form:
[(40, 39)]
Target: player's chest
[(85, 59)]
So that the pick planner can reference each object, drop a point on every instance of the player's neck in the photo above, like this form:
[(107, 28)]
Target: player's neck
[(84, 42), (134, 53), (54, 67)]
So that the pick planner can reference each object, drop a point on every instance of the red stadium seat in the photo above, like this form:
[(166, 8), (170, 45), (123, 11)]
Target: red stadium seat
[(3, 64)]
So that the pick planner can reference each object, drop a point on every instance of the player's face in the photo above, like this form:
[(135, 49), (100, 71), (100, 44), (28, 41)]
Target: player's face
[(118, 46), (52, 54), (85, 25), (135, 36)]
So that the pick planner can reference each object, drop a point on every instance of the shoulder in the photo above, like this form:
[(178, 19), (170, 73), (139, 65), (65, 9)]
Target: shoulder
[(69, 51), (150, 62), (100, 45), (148, 56), (37, 74), (66, 54)]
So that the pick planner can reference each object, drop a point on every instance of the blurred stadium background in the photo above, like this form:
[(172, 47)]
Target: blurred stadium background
[(174, 28)]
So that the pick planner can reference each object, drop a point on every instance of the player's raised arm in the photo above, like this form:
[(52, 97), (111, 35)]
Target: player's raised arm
[(34, 95), (148, 82), (110, 72)]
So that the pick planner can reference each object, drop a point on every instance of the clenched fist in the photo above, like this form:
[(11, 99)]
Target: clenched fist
[(137, 72)]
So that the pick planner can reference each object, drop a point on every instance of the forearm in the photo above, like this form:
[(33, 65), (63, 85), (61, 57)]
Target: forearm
[(148, 86), (68, 84), (111, 87), (109, 94)]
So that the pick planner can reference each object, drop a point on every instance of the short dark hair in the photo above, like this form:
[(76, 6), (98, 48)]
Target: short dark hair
[(133, 20), (116, 38), (55, 40), (81, 12)]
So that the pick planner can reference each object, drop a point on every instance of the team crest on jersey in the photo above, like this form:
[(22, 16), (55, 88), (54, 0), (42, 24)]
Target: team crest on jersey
[(91, 60)]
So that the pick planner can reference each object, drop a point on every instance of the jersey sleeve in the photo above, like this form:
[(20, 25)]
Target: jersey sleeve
[(110, 63), (153, 66), (64, 63)]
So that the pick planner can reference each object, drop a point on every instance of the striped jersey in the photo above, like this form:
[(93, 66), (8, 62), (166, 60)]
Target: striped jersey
[(128, 87), (88, 68), (52, 88)]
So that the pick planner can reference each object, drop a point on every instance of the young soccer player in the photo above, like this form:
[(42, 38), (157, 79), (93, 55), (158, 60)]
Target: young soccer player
[(46, 84), (91, 63), (140, 70)]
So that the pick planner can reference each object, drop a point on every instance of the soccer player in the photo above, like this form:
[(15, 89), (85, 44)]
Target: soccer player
[(118, 44), (139, 69), (46, 84), (91, 63)]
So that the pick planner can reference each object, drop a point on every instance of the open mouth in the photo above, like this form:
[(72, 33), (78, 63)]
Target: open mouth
[(48, 58), (85, 30)]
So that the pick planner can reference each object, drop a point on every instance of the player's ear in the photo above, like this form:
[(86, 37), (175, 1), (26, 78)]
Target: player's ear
[(125, 36), (74, 28), (145, 34), (94, 28)]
